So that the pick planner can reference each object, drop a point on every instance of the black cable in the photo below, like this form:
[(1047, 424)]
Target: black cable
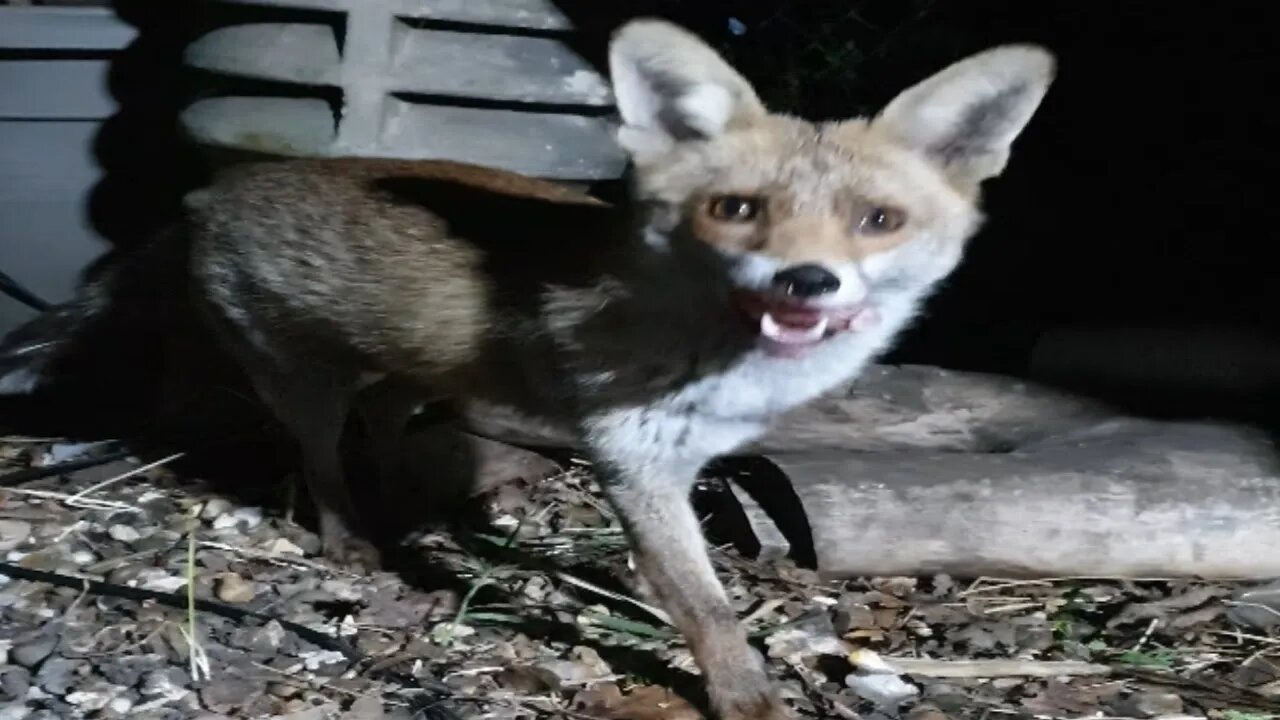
[(10, 287)]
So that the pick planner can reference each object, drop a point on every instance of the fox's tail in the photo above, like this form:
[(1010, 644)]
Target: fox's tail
[(108, 335)]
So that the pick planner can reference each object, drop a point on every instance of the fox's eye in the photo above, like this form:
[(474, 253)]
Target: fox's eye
[(882, 220), (734, 208)]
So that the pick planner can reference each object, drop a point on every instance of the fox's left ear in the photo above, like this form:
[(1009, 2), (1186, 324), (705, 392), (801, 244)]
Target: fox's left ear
[(671, 86), (966, 117)]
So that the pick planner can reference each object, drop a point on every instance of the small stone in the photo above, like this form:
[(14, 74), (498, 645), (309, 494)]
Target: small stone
[(169, 683), (281, 546), (32, 651), (249, 517), (14, 682), (317, 659), (13, 533), (1257, 608), (342, 589), (1154, 705), (15, 711), (83, 557), (94, 698), (264, 640), (124, 533), (886, 690), (926, 711), (225, 693), (365, 707), (58, 674), (283, 690), (812, 637), (128, 671), (214, 508), (561, 674), (231, 588), (159, 580), (852, 615)]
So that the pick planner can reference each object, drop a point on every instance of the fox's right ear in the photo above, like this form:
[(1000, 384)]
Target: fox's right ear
[(671, 86)]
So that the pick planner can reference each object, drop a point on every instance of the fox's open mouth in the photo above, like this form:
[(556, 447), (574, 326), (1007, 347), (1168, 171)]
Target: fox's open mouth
[(788, 326)]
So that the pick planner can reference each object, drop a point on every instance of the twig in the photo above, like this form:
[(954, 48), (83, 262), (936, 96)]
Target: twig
[(87, 504), (1151, 628), (929, 667), (275, 558), (78, 497), (22, 477), (580, 583), (199, 659), (1247, 636), (977, 585), (1254, 605)]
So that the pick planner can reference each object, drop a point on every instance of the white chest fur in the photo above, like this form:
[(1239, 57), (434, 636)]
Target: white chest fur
[(719, 413)]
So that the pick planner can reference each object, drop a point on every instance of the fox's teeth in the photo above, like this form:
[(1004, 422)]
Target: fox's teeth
[(772, 330)]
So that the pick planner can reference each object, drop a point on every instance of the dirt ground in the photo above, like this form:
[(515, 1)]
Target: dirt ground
[(131, 590)]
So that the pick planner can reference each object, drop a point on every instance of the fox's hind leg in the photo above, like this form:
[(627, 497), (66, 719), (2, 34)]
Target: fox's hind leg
[(312, 402), (385, 408)]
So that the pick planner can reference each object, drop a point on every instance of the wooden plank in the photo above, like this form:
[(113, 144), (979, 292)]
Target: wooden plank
[(13, 314), (499, 67), (290, 52), (63, 28), (47, 170), (275, 126), (530, 14), (55, 89), (1129, 498), (887, 409), (541, 144)]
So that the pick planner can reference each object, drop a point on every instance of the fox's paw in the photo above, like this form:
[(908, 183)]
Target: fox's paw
[(354, 554), (344, 548)]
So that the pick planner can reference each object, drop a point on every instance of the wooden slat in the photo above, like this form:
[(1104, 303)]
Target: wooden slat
[(290, 52), (46, 173), (499, 67), (277, 126), (63, 28), (532, 14), (55, 89), (540, 144), (13, 314)]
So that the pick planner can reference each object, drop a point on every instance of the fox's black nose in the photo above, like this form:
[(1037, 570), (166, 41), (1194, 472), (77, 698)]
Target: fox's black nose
[(806, 280)]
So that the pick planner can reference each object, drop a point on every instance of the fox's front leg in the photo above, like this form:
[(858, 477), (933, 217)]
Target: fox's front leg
[(671, 555)]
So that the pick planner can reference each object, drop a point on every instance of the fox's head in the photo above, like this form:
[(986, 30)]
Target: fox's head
[(825, 227)]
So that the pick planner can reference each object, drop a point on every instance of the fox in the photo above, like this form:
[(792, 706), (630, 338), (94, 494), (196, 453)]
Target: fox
[(759, 261)]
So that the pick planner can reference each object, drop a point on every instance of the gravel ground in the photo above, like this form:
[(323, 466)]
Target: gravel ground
[(130, 589)]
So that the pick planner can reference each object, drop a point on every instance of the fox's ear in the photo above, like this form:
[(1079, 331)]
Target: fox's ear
[(671, 86), (966, 117)]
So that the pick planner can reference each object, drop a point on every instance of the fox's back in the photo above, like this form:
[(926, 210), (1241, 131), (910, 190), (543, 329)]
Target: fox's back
[(377, 259)]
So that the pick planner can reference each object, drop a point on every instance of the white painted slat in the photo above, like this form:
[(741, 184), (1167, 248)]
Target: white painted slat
[(532, 14), (540, 144), (279, 126), (63, 28), (47, 171), (498, 67), (13, 314), (290, 52), (55, 89)]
